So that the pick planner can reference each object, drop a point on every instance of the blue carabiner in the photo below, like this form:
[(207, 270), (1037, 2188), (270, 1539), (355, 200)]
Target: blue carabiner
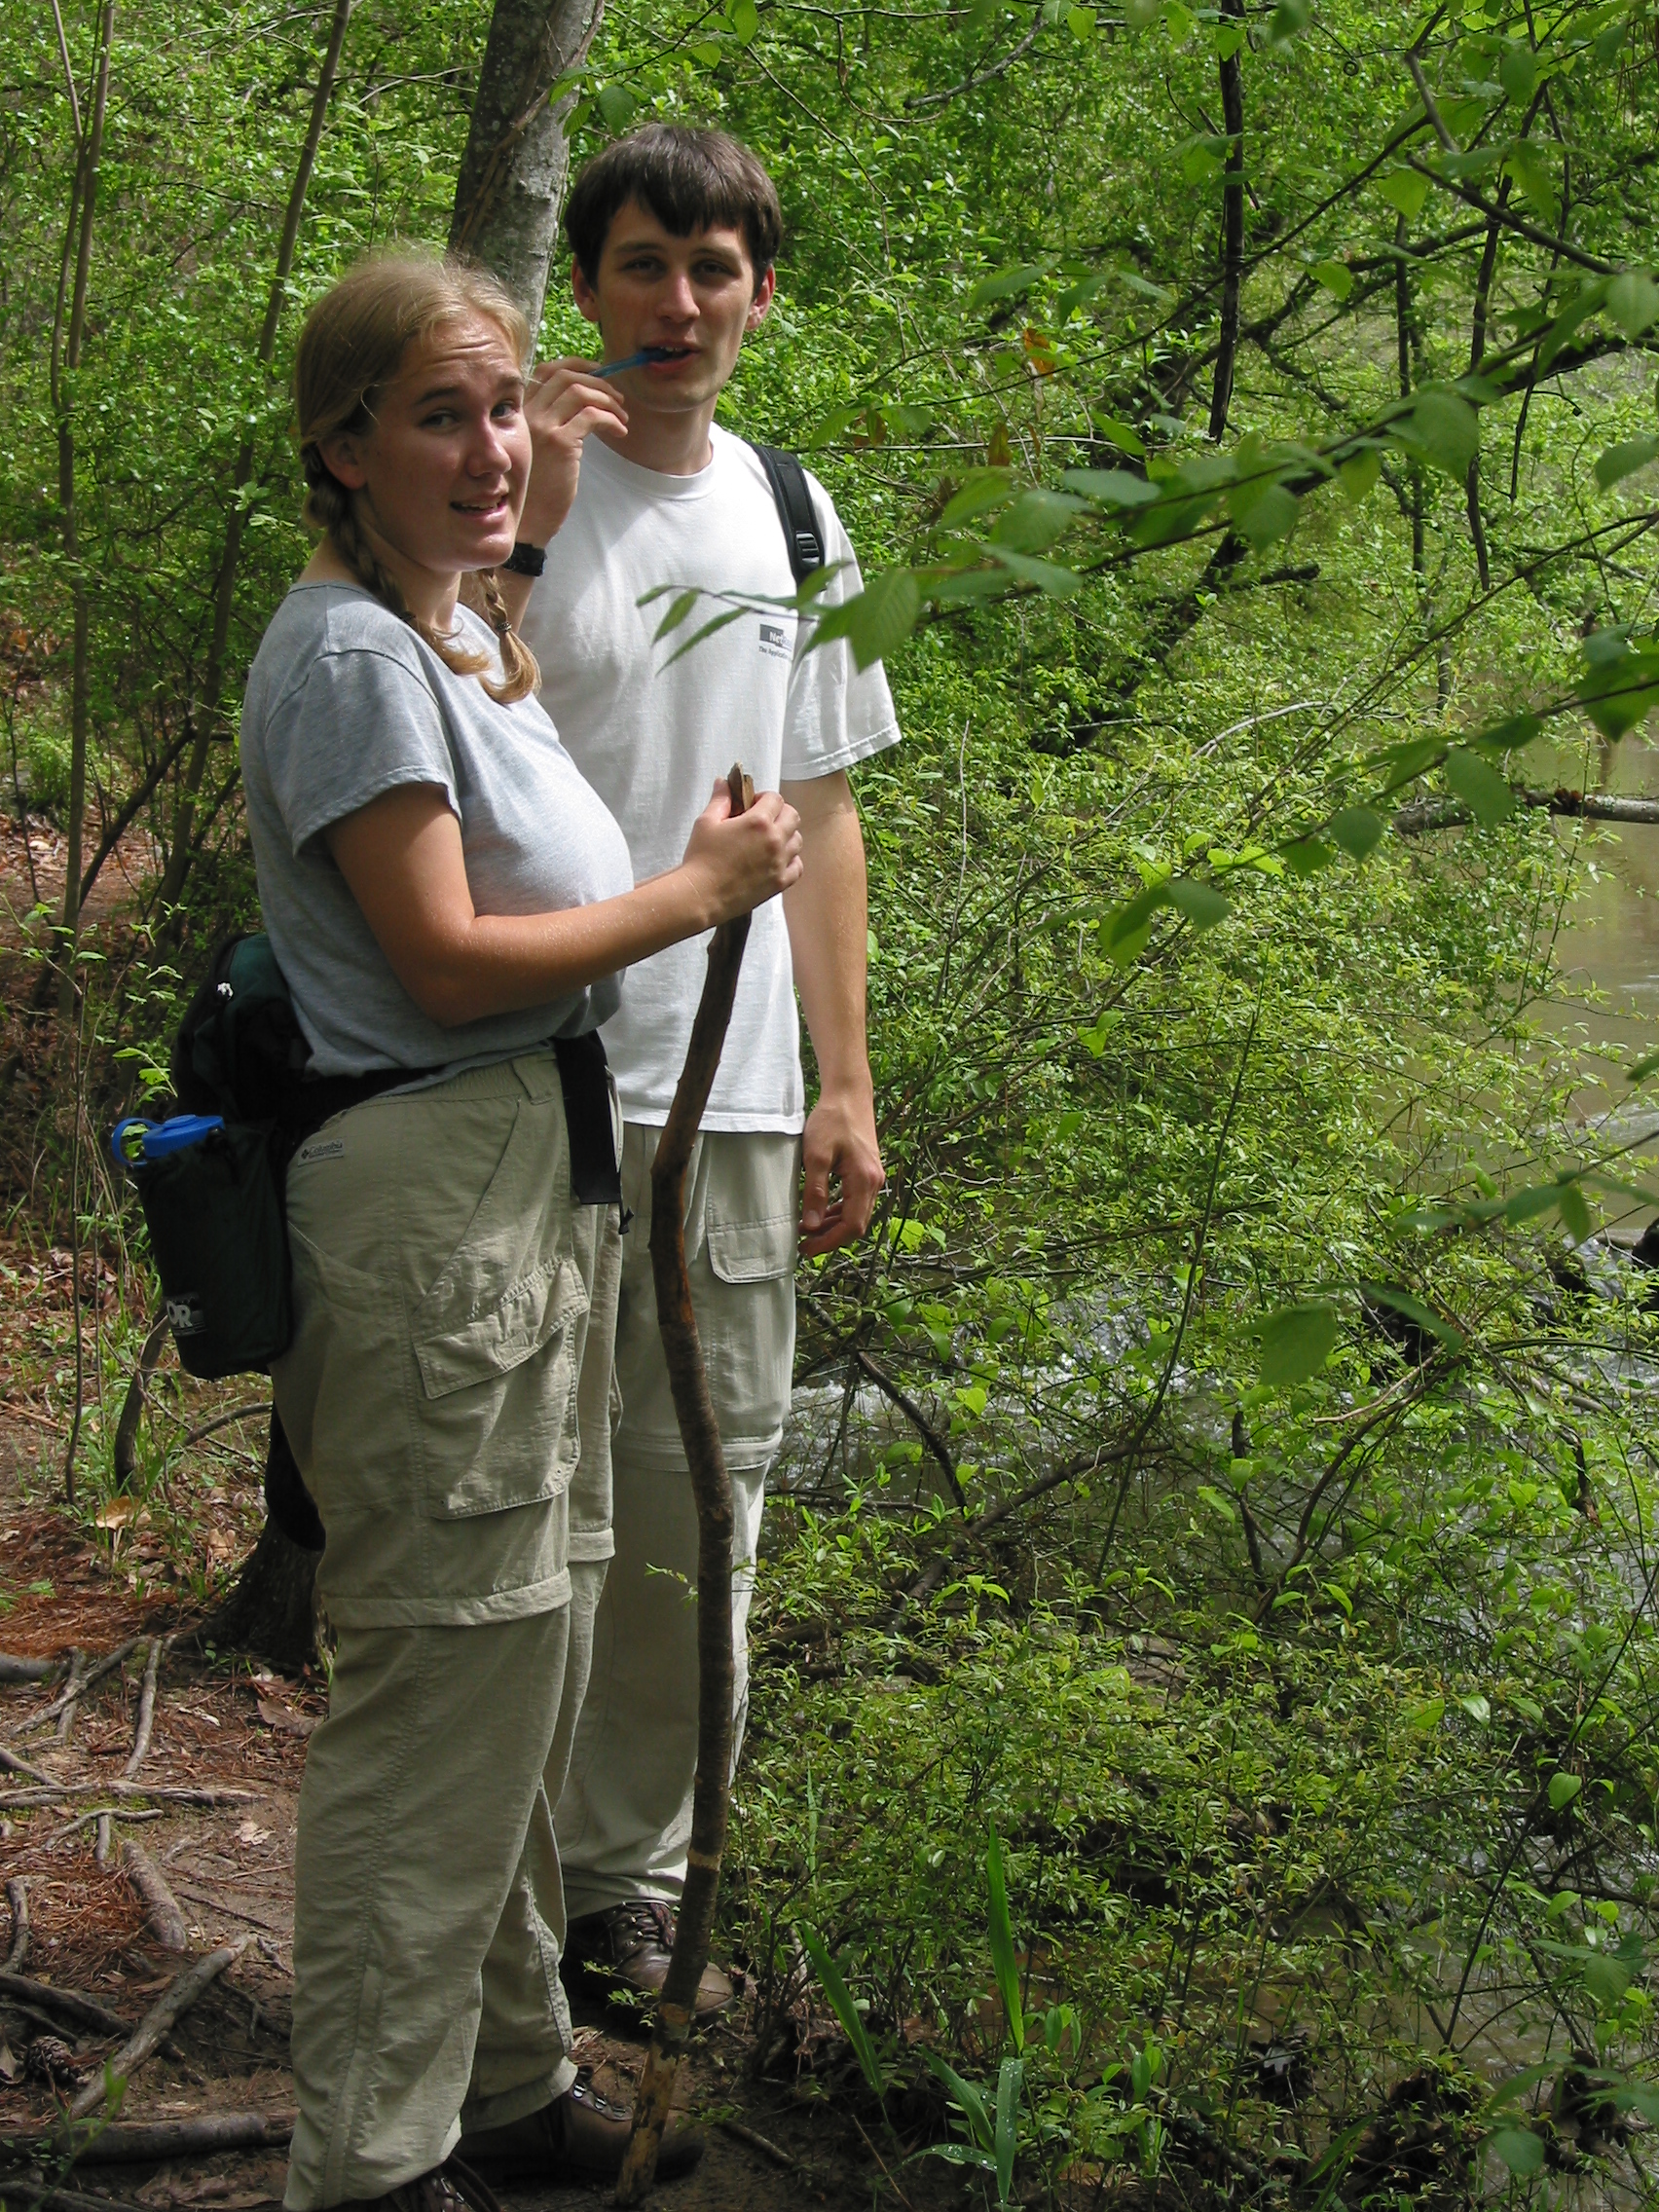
[(157, 1139)]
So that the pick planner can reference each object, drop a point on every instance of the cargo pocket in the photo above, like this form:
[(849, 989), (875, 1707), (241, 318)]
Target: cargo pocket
[(750, 1251), (500, 1426)]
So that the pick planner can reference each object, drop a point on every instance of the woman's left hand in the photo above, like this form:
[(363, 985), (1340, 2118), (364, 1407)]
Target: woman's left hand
[(564, 403)]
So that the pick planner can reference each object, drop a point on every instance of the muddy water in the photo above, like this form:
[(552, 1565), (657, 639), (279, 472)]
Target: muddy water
[(1608, 946)]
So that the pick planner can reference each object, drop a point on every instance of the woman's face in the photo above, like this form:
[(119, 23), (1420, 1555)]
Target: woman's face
[(440, 473)]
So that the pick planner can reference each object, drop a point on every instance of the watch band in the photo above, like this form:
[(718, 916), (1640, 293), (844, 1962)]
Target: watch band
[(526, 560)]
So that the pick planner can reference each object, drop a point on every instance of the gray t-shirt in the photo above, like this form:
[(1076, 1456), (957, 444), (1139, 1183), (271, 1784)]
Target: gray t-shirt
[(345, 701)]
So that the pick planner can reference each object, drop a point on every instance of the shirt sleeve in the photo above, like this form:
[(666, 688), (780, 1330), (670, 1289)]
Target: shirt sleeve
[(837, 712), (361, 723)]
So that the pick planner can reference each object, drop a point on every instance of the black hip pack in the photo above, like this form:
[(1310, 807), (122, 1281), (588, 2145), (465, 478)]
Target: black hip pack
[(211, 1179)]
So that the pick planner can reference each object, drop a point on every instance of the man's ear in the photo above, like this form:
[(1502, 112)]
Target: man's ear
[(344, 462), (583, 293), (762, 299)]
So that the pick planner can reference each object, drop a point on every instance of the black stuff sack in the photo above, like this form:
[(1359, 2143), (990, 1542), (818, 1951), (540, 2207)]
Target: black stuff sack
[(213, 1202)]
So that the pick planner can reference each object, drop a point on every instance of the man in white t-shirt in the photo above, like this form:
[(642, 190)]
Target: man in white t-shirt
[(674, 232)]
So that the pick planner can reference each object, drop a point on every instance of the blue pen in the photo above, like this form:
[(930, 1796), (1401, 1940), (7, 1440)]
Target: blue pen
[(639, 361)]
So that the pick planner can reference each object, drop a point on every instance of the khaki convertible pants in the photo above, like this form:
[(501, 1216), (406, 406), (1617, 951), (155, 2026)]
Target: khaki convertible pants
[(446, 1395), (625, 1818)]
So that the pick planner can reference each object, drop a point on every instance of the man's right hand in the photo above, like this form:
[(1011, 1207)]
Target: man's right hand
[(564, 403), (739, 864)]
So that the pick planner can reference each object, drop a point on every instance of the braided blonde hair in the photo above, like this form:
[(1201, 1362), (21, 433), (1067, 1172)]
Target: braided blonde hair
[(353, 344)]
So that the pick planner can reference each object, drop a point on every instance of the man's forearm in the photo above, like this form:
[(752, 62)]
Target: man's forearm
[(828, 913)]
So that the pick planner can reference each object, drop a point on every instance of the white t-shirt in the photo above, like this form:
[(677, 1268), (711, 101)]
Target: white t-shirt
[(651, 739)]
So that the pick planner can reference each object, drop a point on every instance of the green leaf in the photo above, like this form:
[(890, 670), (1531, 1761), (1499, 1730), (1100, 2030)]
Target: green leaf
[(1139, 15), (1010, 2077), (1643, 1068), (1131, 921), (1426, 1717), (1006, 283), (880, 617), (706, 50), (1632, 301), (966, 2096), (1119, 435), (1619, 691), (1047, 575), (982, 489), (1479, 787), (1564, 1789), (1036, 519), (718, 623), (1606, 1979), (1080, 22), (618, 107), (1336, 276), (1222, 1508), (1574, 1211), (1296, 1343), (1263, 512), (1518, 72), (1357, 829), (1521, 2150), (1200, 904), (1308, 856), (1510, 736), (1002, 1941), (745, 21), (1532, 172), (1111, 486), (1414, 1309), (1619, 462), (1358, 474), (1289, 19), (680, 607), (841, 2004), (1477, 1708), (1405, 192), (1446, 429)]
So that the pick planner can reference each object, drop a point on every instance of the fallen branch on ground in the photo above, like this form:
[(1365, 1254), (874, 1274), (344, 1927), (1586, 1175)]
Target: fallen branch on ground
[(71, 2004), (163, 1916), (54, 2200), (173, 2002), (767, 2149), (13, 1764), (138, 2142), (165, 1792), (71, 1696), (710, 1488), (17, 1898), (94, 1674), (103, 1813), (146, 1705), (14, 1669)]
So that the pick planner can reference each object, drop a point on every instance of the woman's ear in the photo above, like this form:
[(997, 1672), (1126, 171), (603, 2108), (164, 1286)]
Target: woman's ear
[(343, 461)]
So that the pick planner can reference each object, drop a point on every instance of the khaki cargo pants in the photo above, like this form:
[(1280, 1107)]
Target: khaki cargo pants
[(447, 1397), (624, 1820)]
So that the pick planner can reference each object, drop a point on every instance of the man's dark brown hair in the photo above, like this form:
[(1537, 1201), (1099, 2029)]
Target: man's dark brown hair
[(690, 180)]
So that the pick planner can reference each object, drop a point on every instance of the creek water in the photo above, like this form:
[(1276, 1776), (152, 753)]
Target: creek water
[(1609, 948)]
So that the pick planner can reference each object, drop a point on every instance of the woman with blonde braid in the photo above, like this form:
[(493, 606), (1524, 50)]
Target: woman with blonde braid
[(453, 909)]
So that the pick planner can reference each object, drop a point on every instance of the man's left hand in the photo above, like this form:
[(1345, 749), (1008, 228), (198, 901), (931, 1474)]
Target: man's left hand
[(839, 1145)]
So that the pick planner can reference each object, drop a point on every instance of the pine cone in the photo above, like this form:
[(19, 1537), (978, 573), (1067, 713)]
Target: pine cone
[(51, 2061)]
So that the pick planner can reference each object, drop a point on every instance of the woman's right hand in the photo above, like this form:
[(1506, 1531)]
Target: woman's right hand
[(740, 861)]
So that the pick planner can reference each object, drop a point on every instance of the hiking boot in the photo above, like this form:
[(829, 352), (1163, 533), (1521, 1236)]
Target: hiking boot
[(450, 2188), (630, 1944), (579, 2137)]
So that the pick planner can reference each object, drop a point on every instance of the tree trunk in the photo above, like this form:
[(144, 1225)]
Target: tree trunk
[(511, 184), (272, 1611), (1232, 228), (65, 362)]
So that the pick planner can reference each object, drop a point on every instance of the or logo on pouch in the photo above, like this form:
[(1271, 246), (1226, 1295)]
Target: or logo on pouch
[(774, 639), (186, 1316)]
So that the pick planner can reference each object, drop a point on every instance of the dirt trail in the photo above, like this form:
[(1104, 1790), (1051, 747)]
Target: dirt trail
[(231, 1867)]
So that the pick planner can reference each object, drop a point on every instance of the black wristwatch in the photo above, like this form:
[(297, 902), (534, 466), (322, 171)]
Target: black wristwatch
[(526, 560)]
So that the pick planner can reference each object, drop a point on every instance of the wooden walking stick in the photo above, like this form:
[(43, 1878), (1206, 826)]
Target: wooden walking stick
[(710, 1488)]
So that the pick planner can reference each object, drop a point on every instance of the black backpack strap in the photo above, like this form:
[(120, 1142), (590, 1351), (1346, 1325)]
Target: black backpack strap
[(794, 497)]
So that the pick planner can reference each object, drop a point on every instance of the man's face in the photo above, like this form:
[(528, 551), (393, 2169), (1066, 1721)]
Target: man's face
[(695, 296)]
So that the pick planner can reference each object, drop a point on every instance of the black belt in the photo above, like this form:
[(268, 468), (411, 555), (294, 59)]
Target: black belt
[(584, 1079)]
